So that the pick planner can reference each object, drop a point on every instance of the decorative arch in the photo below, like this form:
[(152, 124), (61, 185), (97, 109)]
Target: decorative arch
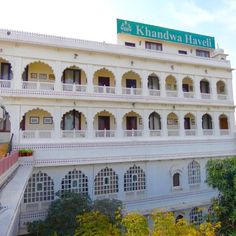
[(131, 79), (221, 87), (38, 71), (171, 83), (73, 120), (132, 121), (194, 173), (73, 74), (204, 86), (104, 77), (75, 181), (5, 122), (40, 188), (189, 121), (207, 121), (153, 82), (104, 120), (134, 179), (154, 121), (6, 74), (223, 122), (106, 182), (187, 84), (36, 119)]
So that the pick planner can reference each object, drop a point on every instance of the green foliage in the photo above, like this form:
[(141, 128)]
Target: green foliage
[(110, 208), (222, 175), (135, 225), (61, 218), (95, 223), (61, 215)]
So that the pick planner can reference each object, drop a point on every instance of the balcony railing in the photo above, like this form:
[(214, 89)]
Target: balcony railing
[(173, 132), (188, 94), (36, 134), (104, 89), (222, 96), (190, 132), (154, 92), (133, 133), (154, 133), (73, 133), (36, 85), (105, 133), (5, 84), (132, 91), (74, 87), (224, 132), (208, 132), (171, 93), (206, 95), (8, 161)]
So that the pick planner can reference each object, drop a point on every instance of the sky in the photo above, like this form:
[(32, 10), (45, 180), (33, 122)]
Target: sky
[(96, 19)]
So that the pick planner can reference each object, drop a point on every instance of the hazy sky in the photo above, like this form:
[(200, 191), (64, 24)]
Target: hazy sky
[(96, 19)]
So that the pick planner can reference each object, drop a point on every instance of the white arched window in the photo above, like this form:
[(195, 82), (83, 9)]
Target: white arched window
[(194, 173), (134, 179), (195, 216), (106, 182), (40, 188), (75, 181)]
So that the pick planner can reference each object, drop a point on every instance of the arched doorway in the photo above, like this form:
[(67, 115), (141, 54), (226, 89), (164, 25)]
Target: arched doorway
[(6, 74), (172, 124), (36, 124), (132, 124), (73, 124), (38, 76), (74, 79), (155, 124), (131, 83)]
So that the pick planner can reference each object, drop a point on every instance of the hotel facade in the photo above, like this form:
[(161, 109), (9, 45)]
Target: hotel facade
[(136, 121)]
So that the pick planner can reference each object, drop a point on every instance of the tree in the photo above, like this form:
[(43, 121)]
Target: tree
[(61, 215), (110, 208), (95, 223), (135, 225), (222, 176)]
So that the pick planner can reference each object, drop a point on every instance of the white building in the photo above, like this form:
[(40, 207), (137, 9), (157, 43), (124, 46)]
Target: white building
[(136, 121)]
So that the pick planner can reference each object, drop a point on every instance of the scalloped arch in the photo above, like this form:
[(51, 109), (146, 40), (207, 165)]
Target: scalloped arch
[(38, 109), (75, 110), (133, 72), (68, 66), (38, 61)]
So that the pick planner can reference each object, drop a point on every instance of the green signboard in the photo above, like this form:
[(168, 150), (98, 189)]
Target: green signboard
[(165, 34)]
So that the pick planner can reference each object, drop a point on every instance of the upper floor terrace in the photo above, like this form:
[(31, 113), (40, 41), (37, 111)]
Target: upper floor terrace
[(80, 81)]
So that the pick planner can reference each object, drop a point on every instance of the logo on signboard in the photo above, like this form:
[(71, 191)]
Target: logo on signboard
[(126, 27)]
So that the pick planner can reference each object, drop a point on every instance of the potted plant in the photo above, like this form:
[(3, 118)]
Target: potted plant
[(25, 152)]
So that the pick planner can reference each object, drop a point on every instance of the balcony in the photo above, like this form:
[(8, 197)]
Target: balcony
[(133, 133), (77, 88), (188, 94), (208, 132), (205, 95), (224, 132), (155, 133), (190, 132), (105, 133), (104, 89), (132, 91), (5, 84), (73, 133), (154, 92), (37, 85), (36, 134), (171, 93), (222, 96)]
